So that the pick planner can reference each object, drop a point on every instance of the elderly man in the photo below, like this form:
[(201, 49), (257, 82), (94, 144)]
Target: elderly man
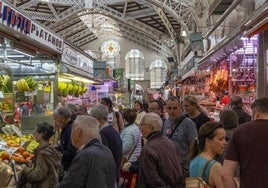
[(94, 164), (247, 148), (110, 137), (63, 120), (160, 164), (179, 129)]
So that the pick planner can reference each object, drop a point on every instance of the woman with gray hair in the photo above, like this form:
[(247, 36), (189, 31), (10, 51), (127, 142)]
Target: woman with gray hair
[(110, 137)]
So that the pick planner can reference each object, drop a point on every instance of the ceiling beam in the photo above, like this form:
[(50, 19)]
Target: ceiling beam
[(40, 16), (53, 10), (28, 4), (62, 2), (173, 34), (140, 14)]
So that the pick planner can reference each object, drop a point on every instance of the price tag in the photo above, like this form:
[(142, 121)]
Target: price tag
[(3, 145), (12, 150), (30, 93)]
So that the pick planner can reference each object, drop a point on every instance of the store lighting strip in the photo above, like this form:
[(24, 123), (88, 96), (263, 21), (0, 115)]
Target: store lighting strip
[(15, 50), (69, 78)]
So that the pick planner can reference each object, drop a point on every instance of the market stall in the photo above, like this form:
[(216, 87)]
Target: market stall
[(29, 54), (75, 76)]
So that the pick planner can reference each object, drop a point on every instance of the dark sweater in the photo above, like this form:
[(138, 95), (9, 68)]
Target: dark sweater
[(66, 148), (112, 140)]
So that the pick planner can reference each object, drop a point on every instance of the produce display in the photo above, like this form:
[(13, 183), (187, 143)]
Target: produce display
[(14, 145), (5, 84), (26, 84), (71, 88)]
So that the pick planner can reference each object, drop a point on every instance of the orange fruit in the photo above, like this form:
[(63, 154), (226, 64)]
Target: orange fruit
[(26, 154), (5, 155), (21, 150)]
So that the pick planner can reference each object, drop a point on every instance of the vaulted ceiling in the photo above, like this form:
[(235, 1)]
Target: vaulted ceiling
[(154, 24)]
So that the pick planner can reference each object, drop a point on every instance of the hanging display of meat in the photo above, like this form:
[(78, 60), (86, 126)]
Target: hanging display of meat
[(219, 80)]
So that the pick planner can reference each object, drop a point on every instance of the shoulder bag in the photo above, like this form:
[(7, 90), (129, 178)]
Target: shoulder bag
[(198, 182)]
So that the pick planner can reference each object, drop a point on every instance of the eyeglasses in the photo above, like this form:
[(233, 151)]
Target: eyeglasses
[(150, 109), (144, 124)]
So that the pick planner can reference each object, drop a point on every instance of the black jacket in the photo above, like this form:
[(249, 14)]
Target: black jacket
[(92, 167), (111, 138), (243, 116), (66, 148)]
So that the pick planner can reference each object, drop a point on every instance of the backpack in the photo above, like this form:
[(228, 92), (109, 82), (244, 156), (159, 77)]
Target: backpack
[(198, 182)]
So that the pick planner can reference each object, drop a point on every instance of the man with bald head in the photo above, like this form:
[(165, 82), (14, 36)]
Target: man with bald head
[(160, 164), (94, 164)]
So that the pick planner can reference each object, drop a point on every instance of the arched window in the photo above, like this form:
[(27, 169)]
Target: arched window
[(110, 52), (135, 65), (158, 73)]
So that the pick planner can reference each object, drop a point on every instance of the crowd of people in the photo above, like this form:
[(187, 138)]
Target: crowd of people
[(143, 148)]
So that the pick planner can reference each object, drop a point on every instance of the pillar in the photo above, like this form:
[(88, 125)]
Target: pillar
[(262, 77)]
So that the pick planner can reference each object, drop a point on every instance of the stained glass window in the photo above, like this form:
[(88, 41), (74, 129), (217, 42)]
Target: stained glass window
[(135, 65), (110, 48), (158, 73)]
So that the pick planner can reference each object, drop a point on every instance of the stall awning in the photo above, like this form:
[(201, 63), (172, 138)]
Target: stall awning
[(70, 72), (258, 22)]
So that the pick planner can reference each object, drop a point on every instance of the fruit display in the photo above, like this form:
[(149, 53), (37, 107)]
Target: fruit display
[(26, 84), (11, 130), (31, 82), (5, 84), (22, 85), (71, 88), (12, 147)]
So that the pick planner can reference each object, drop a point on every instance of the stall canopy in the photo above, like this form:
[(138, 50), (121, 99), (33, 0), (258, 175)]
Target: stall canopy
[(73, 73), (258, 22)]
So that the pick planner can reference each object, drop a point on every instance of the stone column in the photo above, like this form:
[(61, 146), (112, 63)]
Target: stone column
[(262, 77)]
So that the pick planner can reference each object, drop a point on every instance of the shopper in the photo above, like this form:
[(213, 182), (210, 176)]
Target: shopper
[(109, 136), (132, 142), (157, 107), (179, 129), (94, 164), (131, 136), (247, 148), (138, 106), (210, 142), (194, 111), (160, 164), (114, 118), (237, 106), (229, 120), (63, 120), (46, 161)]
